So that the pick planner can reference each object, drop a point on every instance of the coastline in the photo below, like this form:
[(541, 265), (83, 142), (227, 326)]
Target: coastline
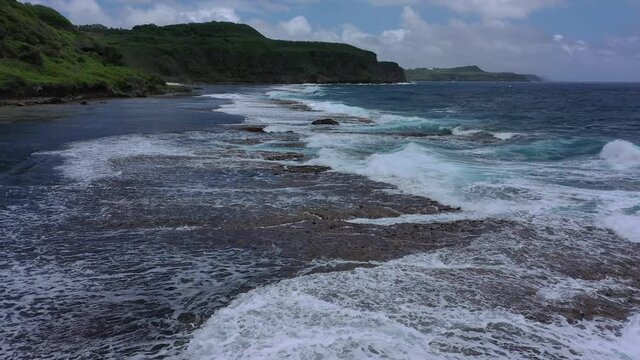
[(61, 98)]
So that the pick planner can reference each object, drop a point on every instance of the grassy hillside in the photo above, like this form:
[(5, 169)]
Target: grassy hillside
[(466, 73), (42, 54), (227, 52)]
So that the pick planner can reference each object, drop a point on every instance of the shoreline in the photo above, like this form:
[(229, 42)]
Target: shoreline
[(170, 90)]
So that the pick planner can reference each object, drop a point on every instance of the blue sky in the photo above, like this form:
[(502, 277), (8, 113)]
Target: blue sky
[(567, 40)]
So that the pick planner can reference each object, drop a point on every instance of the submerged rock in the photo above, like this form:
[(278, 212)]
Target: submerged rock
[(254, 129), (325, 122), (307, 169), (187, 318)]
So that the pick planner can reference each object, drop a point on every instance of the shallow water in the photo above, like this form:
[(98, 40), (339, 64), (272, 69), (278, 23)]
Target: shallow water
[(158, 228)]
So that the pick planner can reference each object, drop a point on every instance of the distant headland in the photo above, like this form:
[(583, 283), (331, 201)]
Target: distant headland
[(466, 73)]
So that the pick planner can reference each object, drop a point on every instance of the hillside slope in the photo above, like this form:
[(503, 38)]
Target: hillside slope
[(42, 54), (466, 73), (236, 53)]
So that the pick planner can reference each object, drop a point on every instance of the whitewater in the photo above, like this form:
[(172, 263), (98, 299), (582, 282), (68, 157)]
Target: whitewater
[(436, 221), (560, 163)]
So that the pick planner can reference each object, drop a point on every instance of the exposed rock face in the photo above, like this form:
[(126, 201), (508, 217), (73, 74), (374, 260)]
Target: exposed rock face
[(325, 122), (390, 72)]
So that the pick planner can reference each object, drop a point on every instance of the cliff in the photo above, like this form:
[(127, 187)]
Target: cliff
[(43, 55), (218, 52)]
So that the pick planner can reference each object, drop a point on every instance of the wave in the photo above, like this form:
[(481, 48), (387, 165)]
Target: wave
[(626, 226), (93, 160), (425, 305), (621, 153), (543, 180), (458, 131)]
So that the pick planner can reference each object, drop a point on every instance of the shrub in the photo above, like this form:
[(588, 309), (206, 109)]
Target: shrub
[(31, 55)]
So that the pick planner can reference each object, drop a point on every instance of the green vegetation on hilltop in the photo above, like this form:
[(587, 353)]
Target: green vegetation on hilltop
[(42, 54), (237, 53), (466, 73)]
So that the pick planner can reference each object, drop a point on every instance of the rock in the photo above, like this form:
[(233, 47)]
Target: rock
[(56, 100), (286, 157), (254, 129), (307, 169), (187, 318), (325, 122), (84, 103), (21, 104)]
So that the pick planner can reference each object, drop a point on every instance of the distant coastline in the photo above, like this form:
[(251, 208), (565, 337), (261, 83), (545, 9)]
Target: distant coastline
[(466, 73)]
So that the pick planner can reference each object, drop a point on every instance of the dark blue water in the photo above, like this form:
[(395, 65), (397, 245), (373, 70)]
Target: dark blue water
[(595, 112)]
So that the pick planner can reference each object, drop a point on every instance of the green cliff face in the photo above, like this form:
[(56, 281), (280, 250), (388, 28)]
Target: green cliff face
[(42, 54), (466, 73), (234, 53)]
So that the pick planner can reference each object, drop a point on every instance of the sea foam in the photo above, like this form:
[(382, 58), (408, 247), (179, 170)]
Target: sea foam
[(88, 161), (421, 306), (626, 226), (621, 154)]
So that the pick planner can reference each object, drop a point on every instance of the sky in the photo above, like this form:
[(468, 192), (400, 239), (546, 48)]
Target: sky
[(561, 40)]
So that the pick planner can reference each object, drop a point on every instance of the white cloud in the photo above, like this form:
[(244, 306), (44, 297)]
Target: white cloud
[(161, 14), (496, 45), (296, 27), (490, 9), (392, 37)]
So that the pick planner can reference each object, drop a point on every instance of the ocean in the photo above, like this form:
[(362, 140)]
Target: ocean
[(437, 221)]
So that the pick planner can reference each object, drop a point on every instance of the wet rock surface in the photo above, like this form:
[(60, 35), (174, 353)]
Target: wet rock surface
[(325, 122)]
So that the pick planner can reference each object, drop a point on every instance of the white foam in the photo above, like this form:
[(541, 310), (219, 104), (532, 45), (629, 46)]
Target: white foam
[(627, 343), (458, 131), (621, 154), (416, 170), (228, 96), (567, 288), (505, 135), (422, 306), (333, 108), (419, 219), (92, 160), (626, 226)]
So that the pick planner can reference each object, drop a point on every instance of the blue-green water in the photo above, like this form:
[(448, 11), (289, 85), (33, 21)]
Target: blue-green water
[(567, 152)]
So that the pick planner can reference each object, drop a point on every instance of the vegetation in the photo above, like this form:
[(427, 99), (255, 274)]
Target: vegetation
[(42, 54), (228, 52), (466, 73)]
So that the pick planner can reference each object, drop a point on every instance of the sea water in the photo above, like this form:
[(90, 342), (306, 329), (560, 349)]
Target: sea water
[(122, 225), (561, 162)]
